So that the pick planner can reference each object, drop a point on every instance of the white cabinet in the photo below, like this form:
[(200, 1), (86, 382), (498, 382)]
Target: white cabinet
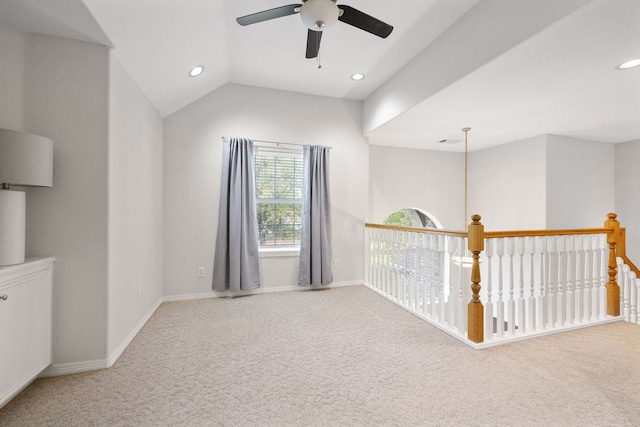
[(25, 324)]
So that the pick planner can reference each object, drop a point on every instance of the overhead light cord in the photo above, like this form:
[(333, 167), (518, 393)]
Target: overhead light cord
[(466, 175)]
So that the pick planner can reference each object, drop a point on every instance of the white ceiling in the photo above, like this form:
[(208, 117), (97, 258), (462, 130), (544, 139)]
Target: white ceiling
[(561, 80)]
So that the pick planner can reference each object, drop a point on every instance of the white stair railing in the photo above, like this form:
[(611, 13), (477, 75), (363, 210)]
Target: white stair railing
[(532, 283), (629, 292)]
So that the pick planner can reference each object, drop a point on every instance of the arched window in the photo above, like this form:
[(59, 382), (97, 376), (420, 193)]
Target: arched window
[(413, 217)]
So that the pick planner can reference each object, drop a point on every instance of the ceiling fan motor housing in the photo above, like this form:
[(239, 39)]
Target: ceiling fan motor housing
[(318, 15)]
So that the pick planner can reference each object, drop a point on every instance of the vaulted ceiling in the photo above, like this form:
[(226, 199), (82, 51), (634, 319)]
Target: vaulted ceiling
[(510, 70)]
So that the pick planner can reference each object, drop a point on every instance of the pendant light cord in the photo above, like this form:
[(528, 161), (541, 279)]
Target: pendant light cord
[(466, 176)]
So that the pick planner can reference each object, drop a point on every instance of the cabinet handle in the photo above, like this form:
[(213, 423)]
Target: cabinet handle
[(4, 297)]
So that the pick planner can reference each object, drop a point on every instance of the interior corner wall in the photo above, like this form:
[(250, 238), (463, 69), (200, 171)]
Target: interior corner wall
[(12, 52), (192, 168), (580, 182), (66, 90), (627, 175), (135, 208), (507, 185), (409, 178)]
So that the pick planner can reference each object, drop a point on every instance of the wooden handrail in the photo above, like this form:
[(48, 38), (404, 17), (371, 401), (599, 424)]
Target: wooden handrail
[(416, 229), (494, 234), (535, 233), (631, 265)]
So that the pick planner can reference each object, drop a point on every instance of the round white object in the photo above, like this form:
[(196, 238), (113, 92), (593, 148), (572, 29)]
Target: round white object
[(318, 15)]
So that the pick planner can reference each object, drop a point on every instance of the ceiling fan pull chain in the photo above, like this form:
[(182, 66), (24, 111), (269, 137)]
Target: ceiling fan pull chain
[(318, 57)]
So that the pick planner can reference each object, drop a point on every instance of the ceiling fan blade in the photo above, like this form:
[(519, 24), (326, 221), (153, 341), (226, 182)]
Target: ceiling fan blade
[(363, 21), (265, 15), (313, 43)]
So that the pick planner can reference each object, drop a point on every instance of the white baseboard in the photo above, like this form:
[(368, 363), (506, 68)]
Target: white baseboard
[(91, 365), (58, 369), (113, 357), (216, 294)]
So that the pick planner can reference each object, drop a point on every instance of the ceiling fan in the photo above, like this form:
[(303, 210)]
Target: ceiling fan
[(319, 15)]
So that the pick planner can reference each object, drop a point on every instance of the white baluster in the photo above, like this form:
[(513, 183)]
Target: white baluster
[(433, 279), (420, 279), (511, 303), (635, 298), (500, 302), (386, 254), (597, 276), (415, 271), (531, 318), (521, 304), (488, 308), (412, 271), (452, 305), (625, 288), (571, 278), (374, 260), (561, 306), (442, 244), (553, 279), (588, 278), (541, 246), (604, 276), (464, 285), (579, 288), (398, 291)]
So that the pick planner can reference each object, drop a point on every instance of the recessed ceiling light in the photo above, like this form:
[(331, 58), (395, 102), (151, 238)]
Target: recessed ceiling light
[(196, 71), (629, 64), (357, 76)]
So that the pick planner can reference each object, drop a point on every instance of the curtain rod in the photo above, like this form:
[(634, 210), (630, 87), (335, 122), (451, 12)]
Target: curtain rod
[(279, 143)]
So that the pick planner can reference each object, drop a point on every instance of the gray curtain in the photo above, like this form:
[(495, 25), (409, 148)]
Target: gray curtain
[(236, 265), (315, 239)]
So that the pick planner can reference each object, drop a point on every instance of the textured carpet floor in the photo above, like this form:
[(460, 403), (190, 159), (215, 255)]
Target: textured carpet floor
[(341, 356)]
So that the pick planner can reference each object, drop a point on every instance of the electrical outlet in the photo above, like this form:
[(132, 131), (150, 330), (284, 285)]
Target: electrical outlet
[(336, 263), (200, 271)]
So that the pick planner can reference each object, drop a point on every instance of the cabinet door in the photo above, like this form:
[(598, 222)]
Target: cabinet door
[(25, 325)]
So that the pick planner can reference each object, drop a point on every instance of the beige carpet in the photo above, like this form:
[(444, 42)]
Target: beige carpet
[(341, 356)]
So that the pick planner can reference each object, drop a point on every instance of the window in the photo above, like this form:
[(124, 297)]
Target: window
[(412, 217), (278, 177)]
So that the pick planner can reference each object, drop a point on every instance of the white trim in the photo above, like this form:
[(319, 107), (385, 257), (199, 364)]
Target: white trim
[(283, 251), (17, 388), (216, 294), (73, 368), (111, 359)]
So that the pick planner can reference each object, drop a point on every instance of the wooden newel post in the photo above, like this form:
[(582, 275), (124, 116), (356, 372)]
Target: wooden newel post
[(476, 309), (613, 290)]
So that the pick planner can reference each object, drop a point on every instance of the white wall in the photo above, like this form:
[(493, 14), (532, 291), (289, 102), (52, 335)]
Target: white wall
[(627, 195), (580, 182), (507, 185), (66, 93), (430, 180), (12, 52), (135, 207), (192, 160)]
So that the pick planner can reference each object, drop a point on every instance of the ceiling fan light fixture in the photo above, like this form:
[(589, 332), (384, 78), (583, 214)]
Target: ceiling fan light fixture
[(196, 71), (318, 15), (629, 64)]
